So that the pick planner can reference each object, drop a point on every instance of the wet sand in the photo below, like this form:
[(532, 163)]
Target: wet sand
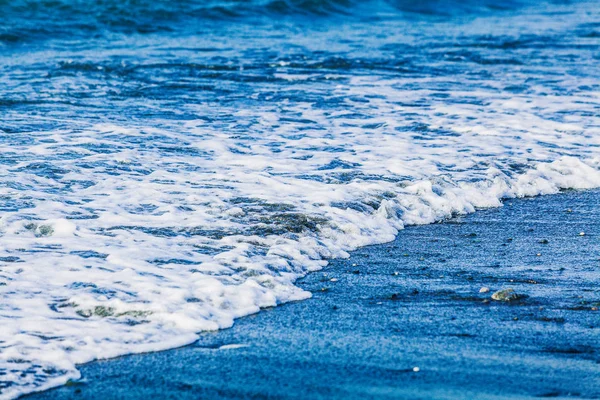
[(406, 320)]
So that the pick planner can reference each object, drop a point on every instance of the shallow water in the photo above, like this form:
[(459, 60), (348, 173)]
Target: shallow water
[(168, 166)]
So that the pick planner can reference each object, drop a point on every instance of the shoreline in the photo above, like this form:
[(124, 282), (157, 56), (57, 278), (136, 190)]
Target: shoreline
[(169, 168), (392, 292)]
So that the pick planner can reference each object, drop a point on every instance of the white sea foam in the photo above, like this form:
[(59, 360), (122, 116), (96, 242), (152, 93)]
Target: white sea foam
[(62, 306), (128, 237)]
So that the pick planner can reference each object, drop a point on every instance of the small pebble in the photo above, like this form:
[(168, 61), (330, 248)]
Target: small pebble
[(484, 290), (506, 295)]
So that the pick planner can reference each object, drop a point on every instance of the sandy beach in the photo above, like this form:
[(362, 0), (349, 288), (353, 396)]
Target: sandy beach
[(406, 320), (299, 199)]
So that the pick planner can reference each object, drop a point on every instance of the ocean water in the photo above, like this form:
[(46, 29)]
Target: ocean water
[(168, 166)]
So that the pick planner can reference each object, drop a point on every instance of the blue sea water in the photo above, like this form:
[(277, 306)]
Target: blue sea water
[(166, 167)]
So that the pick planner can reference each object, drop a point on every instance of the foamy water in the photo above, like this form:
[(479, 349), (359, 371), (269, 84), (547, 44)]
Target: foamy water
[(165, 170)]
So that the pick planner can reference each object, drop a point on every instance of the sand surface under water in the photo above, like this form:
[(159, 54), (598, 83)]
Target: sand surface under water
[(414, 302)]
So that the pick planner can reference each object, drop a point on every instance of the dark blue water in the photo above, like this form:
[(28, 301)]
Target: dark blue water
[(140, 61), (167, 167)]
